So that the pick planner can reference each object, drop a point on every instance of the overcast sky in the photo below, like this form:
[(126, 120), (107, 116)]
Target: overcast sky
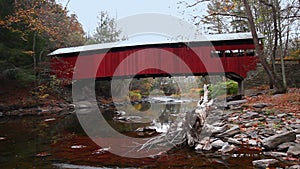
[(88, 10)]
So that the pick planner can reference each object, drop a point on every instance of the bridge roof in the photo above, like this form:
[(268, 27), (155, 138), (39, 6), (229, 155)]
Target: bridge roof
[(203, 38)]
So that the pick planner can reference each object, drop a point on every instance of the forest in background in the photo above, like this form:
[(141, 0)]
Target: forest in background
[(30, 29)]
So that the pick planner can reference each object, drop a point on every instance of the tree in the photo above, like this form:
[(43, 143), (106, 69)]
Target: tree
[(279, 88), (274, 18), (225, 16), (106, 31), (40, 26)]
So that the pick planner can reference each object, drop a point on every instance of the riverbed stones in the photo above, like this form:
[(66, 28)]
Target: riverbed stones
[(235, 103), (234, 141), (217, 144), (235, 129), (273, 141), (207, 146), (276, 154), (264, 163), (227, 148), (294, 150), (250, 114), (285, 146), (260, 105)]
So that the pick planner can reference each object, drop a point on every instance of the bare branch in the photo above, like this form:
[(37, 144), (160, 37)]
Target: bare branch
[(228, 14), (194, 4)]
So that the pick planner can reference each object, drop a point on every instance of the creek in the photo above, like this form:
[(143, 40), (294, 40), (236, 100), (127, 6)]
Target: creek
[(58, 141)]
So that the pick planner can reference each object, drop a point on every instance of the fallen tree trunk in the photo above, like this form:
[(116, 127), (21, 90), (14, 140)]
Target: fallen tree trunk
[(189, 128)]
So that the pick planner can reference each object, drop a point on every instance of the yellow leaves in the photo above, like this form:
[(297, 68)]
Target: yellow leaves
[(28, 52)]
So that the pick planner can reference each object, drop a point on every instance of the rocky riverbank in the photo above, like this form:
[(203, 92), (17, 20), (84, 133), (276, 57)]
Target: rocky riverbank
[(264, 123)]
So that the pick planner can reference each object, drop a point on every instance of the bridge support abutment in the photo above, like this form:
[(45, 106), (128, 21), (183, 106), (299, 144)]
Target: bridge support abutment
[(241, 89)]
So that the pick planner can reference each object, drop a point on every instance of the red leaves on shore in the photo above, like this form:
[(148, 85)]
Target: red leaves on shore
[(284, 103)]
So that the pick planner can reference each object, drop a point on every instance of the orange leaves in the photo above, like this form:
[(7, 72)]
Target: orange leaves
[(288, 103), (46, 18)]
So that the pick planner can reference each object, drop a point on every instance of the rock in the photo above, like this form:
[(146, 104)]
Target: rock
[(216, 130), (204, 140), (275, 140), (252, 142), (234, 103), (252, 134), (207, 146), (232, 131), (49, 120), (217, 144), (294, 150), (263, 163), (250, 124), (43, 154), (119, 113), (240, 136), (234, 141), (232, 119), (294, 167), (267, 132), (285, 146), (250, 115), (260, 105), (281, 115), (276, 154), (297, 131), (199, 147), (227, 148)]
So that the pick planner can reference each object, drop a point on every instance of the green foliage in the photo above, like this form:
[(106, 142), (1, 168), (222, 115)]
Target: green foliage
[(135, 95), (106, 30), (229, 87), (30, 29)]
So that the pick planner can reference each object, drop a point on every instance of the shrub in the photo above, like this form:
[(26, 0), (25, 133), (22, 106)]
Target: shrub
[(229, 87), (134, 95)]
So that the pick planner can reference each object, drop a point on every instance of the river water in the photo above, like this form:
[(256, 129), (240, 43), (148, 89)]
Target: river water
[(58, 141)]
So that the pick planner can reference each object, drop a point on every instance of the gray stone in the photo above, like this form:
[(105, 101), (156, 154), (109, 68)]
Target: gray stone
[(294, 150), (285, 146), (275, 140), (250, 115), (252, 142), (232, 119), (264, 163), (237, 102), (297, 131), (294, 167), (281, 115), (252, 134), (227, 148), (199, 147), (240, 136), (276, 154), (234, 141), (260, 105), (217, 144), (230, 132), (207, 146)]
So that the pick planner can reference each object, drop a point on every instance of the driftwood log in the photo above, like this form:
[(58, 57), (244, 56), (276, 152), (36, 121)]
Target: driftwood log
[(187, 128)]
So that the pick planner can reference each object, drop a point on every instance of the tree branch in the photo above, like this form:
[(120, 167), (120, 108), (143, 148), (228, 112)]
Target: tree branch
[(194, 4), (227, 14)]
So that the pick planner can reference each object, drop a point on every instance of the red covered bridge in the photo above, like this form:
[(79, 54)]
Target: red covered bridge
[(229, 54)]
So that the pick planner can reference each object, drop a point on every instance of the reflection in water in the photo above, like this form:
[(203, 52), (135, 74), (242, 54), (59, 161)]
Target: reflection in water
[(35, 142)]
